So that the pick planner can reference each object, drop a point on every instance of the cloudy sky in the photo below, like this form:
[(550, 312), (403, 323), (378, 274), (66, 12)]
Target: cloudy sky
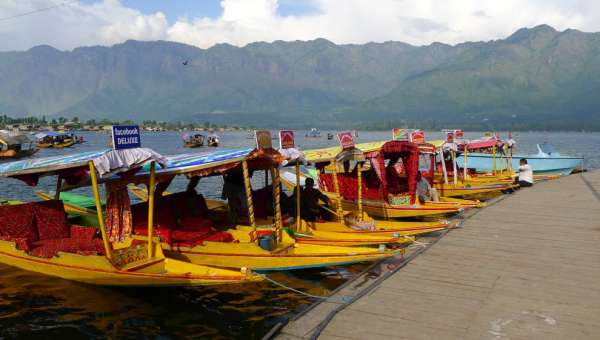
[(67, 24)]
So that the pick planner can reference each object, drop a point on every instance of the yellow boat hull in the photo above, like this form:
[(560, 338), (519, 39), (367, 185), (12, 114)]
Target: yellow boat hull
[(385, 210), (98, 270), (288, 254), (450, 190), (391, 228)]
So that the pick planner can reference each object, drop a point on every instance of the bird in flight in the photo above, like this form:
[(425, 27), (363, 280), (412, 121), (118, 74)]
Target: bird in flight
[(185, 63)]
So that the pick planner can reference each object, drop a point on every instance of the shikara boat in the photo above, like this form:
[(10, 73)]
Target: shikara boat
[(15, 146), (443, 173), (193, 140), (52, 139), (39, 237), (212, 140), (196, 239), (353, 222), (385, 194)]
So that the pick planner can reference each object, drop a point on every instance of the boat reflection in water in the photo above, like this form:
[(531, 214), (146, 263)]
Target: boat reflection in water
[(41, 306)]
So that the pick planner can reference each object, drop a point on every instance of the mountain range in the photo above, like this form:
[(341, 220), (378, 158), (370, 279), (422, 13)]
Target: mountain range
[(537, 78)]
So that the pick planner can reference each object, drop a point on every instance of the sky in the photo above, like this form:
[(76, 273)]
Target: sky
[(67, 24)]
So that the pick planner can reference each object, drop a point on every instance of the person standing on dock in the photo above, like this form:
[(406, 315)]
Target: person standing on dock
[(525, 174)]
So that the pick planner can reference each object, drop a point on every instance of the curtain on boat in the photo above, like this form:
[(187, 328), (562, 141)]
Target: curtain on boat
[(118, 211), (409, 152)]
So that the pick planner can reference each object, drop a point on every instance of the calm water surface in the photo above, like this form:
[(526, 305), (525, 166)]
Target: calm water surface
[(33, 305)]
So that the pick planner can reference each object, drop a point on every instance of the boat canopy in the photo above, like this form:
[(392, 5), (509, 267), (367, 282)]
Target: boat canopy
[(482, 144), (377, 153), (8, 139), (217, 162), (74, 168)]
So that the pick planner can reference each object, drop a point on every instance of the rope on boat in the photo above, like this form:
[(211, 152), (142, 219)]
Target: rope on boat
[(416, 243), (341, 300)]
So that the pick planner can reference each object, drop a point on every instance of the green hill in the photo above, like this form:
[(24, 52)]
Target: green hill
[(535, 79)]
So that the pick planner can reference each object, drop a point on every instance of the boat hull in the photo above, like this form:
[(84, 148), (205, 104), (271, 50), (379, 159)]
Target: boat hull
[(560, 165), (385, 210), (288, 255), (98, 270)]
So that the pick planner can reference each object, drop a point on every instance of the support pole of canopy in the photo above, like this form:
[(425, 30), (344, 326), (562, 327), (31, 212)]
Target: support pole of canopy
[(58, 187), (359, 194), (151, 189), (508, 172), (298, 199), (465, 166), (276, 200), (454, 169), (510, 162), (107, 248), (336, 187), (494, 158), (502, 161), (443, 160), (248, 187)]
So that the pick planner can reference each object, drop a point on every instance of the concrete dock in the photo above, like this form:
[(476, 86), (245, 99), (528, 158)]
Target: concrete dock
[(527, 267)]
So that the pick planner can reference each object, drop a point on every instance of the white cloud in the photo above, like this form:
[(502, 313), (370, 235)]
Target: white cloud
[(245, 21)]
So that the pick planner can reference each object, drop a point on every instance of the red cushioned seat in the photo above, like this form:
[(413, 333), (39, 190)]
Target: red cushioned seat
[(18, 221), (51, 220), (163, 233), (50, 247)]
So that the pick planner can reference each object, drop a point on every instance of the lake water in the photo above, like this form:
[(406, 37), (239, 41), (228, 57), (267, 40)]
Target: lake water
[(33, 305)]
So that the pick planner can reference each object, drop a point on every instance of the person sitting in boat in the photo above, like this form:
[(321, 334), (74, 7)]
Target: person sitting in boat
[(525, 178), (424, 190), (235, 194), (310, 209), (196, 203)]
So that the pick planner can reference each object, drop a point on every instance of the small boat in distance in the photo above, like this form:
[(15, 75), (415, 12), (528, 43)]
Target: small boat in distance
[(193, 141), (53, 139), (313, 133), (15, 146), (213, 139)]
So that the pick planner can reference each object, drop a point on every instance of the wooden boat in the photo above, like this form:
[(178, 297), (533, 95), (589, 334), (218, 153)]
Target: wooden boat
[(66, 143), (38, 236), (213, 141), (202, 244), (449, 183), (358, 221), (52, 139), (377, 198), (193, 141), (15, 146)]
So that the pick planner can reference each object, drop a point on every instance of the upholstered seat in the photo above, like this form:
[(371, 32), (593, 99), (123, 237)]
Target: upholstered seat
[(42, 229)]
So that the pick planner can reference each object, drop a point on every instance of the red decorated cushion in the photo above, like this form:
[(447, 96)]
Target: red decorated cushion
[(50, 247), (17, 221), (83, 233), (163, 233), (51, 220)]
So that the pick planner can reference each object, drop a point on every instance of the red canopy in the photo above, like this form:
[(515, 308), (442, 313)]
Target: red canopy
[(482, 144), (409, 152)]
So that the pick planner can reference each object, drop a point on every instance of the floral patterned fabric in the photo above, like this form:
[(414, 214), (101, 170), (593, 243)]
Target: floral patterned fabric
[(118, 212)]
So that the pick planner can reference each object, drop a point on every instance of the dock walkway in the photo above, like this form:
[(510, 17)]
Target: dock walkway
[(527, 267)]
